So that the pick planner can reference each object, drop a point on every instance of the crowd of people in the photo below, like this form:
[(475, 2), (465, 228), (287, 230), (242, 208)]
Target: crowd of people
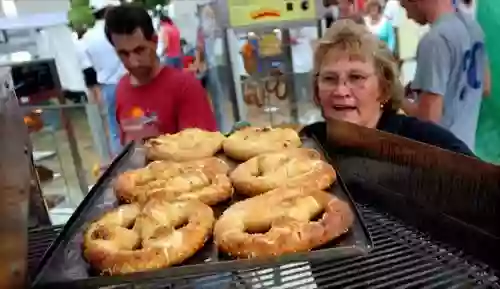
[(136, 73), (452, 74), (355, 72)]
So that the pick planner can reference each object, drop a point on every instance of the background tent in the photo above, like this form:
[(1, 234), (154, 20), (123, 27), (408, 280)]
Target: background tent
[(488, 133)]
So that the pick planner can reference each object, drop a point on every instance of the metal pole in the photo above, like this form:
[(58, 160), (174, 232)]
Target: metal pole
[(231, 85), (288, 60), (70, 133)]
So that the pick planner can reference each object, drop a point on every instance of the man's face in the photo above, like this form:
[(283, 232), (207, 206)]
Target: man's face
[(415, 10), (136, 52)]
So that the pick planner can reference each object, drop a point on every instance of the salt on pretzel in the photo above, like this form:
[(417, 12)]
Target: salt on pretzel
[(189, 144), (298, 167), (281, 221), (205, 180), (249, 142), (161, 234)]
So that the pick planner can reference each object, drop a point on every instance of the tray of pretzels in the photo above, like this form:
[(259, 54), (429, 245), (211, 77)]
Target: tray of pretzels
[(201, 202)]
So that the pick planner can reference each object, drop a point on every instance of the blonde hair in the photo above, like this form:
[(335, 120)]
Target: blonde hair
[(375, 3), (355, 40)]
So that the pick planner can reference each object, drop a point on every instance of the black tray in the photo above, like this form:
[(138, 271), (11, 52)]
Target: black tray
[(63, 264)]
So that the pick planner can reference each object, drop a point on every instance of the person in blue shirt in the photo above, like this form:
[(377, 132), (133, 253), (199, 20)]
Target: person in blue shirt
[(378, 24)]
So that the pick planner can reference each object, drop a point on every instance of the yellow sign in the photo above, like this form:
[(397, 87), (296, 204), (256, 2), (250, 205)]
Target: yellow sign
[(251, 12)]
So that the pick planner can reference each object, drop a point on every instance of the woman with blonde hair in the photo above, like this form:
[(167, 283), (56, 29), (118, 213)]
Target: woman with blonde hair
[(378, 24), (356, 79)]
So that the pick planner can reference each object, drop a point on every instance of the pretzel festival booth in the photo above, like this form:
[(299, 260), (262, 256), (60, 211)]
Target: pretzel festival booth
[(268, 205)]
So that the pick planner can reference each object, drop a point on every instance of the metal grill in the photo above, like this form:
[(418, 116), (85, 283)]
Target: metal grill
[(39, 240), (402, 258)]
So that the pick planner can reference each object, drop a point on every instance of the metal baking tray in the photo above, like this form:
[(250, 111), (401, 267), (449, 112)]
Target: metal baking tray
[(64, 265)]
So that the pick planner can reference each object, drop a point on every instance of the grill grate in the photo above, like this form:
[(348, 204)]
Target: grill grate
[(39, 240), (402, 258)]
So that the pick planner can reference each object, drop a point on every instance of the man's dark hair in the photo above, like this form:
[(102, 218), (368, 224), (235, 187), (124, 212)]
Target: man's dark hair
[(99, 14), (125, 19)]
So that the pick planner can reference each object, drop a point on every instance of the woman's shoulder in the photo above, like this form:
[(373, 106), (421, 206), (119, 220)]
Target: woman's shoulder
[(316, 130), (405, 126), (423, 131)]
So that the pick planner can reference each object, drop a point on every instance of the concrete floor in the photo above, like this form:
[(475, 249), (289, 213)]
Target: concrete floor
[(55, 139)]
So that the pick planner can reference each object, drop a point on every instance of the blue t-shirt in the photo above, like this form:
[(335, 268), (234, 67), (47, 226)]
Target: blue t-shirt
[(451, 61)]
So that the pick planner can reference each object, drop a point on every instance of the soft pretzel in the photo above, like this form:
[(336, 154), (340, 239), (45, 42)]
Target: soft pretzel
[(249, 142), (280, 221), (299, 167), (189, 144), (130, 239), (205, 180)]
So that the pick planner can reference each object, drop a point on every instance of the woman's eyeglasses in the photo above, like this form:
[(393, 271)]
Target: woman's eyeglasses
[(351, 80)]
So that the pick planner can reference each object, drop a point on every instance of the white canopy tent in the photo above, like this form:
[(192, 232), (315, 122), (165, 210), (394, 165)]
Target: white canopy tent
[(41, 31), (43, 35)]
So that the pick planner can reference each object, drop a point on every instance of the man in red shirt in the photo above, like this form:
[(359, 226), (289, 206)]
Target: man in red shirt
[(152, 99)]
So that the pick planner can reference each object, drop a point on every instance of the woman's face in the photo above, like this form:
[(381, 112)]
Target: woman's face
[(374, 11), (349, 89)]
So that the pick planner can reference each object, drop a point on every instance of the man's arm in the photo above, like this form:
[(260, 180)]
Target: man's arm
[(193, 106), (431, 77), (487, 80), (430, 107)]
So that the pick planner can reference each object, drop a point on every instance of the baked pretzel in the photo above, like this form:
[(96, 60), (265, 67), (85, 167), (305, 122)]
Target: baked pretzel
[(130, 239), (249, 142), (280, 221), (189, 144), (205, 180), (299, 167)]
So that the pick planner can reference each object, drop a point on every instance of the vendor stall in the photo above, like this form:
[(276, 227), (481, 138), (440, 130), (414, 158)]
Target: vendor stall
[(402, 221), (267, 49)]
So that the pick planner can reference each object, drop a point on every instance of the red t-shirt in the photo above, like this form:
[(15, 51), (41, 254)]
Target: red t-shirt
[(173, 101), (173, 38)]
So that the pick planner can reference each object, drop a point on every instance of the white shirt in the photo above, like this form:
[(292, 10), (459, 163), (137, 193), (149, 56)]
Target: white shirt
[(392, 11), (334, 11), (56, 42), (468, 10), (375, 27), (102, 55), (302, 51), (83, 59)]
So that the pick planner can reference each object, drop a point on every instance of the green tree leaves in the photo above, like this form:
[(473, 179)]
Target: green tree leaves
[(80, 14)]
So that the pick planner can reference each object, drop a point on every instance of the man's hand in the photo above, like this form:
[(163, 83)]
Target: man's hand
[(98, 170), (487, 81)]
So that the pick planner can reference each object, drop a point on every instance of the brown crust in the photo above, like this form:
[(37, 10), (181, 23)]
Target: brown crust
[(204, 179), (189, 144), (111, 248), (285, 213), (291, 168), (249, 142)]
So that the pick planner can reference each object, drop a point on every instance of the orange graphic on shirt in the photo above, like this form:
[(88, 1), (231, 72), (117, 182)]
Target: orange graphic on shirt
[(136, 112)]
